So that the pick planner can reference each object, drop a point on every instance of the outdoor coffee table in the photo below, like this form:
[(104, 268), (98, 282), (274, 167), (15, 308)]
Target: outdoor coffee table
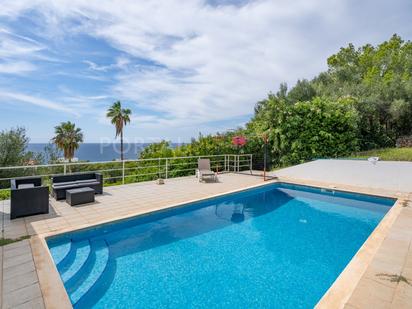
[(79, 196)]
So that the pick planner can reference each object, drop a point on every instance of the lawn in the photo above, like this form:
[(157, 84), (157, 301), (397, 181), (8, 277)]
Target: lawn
[(387, 154), (7, 241)]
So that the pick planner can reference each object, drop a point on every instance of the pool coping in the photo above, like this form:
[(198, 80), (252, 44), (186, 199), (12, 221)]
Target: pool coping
[(55, 295)]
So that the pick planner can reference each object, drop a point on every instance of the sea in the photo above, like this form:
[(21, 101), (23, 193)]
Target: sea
[(97, 152)]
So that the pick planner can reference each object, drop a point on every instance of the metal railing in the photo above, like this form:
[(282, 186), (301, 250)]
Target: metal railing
[(129, 171)]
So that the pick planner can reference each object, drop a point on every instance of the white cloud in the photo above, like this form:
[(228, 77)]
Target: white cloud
[(121, 63), (12, 45), (18, 53), (8, 96), (212, 62), (94, 67), (18, 67)]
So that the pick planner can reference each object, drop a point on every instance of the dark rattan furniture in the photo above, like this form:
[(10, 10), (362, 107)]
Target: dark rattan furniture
[(79, 196), (62, 183), (28, 197)]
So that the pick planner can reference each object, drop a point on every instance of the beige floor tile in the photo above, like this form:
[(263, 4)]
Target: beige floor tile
[(370, 292), (36, 303), (17, 270), (404, 290), (21, 296), (17, 251), (14, 261), (20, 281)]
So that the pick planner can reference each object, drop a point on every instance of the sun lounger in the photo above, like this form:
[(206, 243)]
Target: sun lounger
[(203, 170)]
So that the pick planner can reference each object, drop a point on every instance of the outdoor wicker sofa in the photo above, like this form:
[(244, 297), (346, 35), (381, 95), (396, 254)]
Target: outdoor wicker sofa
[(28, 197), (61, 183)]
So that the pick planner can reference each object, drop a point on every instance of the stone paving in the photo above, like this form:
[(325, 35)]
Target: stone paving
[(19, 285), (384, 282)]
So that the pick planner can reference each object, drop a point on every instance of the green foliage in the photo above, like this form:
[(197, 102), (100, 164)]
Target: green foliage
[(157, 150), (386, 154), (68, 138), (366, 103), (319, 128), (13, 151), (13, 145), (305, 130), (119, 117), (4, 195), (380, 80), (303, 91)]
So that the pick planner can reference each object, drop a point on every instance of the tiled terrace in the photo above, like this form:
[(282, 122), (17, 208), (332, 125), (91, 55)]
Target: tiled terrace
[(20, 287), (382, 268)]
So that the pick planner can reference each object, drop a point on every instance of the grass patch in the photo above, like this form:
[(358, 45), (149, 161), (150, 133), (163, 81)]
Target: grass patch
[(387, 154), (7, 241)]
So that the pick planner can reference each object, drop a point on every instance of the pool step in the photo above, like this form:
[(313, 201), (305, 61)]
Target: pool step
[(98, 290), (60, 252), (81, 254), (90, 272)]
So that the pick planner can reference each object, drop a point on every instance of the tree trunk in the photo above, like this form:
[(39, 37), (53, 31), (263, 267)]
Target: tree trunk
[(121, 145)]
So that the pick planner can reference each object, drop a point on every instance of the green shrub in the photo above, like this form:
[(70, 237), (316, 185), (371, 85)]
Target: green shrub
[(4, 195), (316, 129)]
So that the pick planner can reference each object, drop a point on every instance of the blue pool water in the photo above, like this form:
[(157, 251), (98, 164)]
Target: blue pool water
[(280, 246)]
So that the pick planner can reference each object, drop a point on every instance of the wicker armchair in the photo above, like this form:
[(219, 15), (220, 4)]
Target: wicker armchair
[(28, 197)]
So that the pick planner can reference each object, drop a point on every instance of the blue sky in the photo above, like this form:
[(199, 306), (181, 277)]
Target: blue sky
[(182, 66)]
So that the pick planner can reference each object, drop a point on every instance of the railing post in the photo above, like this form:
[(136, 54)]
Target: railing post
[(225, 165), (123, 172), (166, 168), (250, 162), (64, 169), (234, 163), (159, 175)]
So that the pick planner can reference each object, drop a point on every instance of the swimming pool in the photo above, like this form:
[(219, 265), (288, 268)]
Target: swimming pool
[(280, 245)]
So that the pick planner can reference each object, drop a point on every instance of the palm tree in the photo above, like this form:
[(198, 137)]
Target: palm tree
[(119, 117), (67, 138)]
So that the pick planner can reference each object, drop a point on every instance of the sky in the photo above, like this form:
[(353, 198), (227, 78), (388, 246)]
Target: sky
[(181, 66)]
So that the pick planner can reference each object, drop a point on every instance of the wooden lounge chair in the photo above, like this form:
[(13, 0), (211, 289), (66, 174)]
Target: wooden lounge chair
[(203, 170)]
